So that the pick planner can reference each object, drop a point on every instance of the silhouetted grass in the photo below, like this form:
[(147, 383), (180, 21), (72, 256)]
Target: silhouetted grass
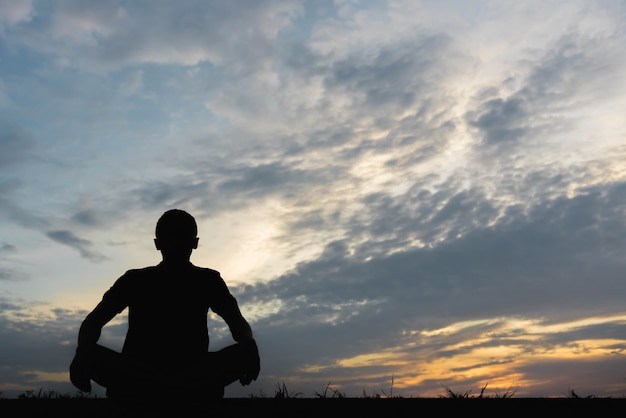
[(281, 391), (329, 392), (510, 392), (51, 394), (328, 403)]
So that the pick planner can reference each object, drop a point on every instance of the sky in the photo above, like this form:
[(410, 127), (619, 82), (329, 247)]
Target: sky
[(403, 196)]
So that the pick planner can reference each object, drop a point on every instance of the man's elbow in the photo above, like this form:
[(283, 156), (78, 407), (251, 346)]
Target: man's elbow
[(89, 331), (243, 333), (90, 323)]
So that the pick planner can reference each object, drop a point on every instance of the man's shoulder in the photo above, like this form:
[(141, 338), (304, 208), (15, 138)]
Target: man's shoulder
[(155, 273), (205, 271), (158, 268), (141, 271)]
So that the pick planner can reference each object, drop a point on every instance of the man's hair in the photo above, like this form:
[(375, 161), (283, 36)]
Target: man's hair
[(176, 223)]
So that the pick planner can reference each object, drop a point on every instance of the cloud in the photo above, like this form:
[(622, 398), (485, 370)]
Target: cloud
[(113, 35), (11, 275), (81, 245), (399, 76), (14, 13), (537, 108), (7, 274), (18, 145), (86, 217), (20, 215), (7, 248), (38, 341), (551, 264), (132, 84)]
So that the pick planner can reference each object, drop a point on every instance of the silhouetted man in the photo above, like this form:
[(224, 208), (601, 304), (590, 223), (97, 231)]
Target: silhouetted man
[(166, 347)]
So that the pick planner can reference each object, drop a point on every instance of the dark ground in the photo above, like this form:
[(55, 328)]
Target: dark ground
[(309, 407)]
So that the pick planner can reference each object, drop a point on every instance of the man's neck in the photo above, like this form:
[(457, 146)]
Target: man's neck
[(175, 262)]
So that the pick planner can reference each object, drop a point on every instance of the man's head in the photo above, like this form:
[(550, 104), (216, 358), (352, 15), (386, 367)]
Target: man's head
[(176, 234)]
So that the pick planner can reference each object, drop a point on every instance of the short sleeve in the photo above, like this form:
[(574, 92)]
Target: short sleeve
[(119, 295), (223, 302)]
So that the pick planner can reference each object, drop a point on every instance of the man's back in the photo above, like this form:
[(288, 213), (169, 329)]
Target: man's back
[(168, 307)]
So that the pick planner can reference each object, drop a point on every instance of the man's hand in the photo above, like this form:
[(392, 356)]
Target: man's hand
[(79, 372), (252, 362)]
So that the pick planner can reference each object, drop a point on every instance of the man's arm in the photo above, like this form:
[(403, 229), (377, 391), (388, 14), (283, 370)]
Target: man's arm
[(226, 306), (242, 333), (91, 328), (88, 335), (239, 327)]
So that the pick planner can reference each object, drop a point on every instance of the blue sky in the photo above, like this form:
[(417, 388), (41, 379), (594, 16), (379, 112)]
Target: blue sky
[(402, 195)]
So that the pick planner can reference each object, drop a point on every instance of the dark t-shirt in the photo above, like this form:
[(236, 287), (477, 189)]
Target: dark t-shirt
[(167, 309)]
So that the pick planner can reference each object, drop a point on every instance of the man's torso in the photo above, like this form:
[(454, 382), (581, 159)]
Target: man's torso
[(167, 309)]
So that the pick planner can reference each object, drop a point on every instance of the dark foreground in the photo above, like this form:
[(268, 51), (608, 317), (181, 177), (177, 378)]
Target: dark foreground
[(305, 407)]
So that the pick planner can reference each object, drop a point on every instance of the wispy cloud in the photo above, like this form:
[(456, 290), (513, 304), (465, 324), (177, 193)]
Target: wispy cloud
[(79, 244)]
